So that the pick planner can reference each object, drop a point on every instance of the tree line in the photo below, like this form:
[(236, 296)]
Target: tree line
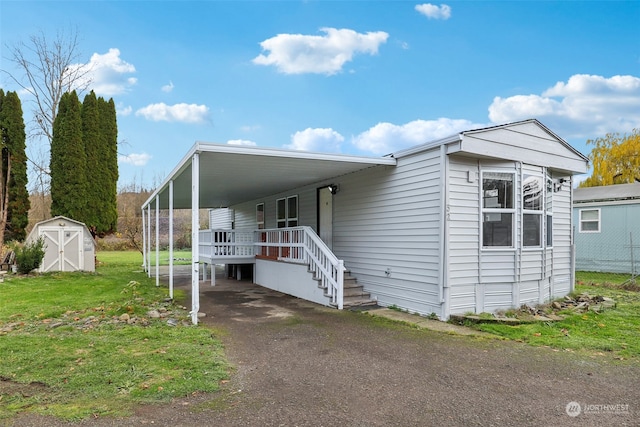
[(83, 164)]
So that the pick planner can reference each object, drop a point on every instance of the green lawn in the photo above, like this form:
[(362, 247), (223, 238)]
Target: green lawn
[(67, 352), (613, 332)]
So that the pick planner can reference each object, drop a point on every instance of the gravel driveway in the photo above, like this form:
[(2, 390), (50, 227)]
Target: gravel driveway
[(299, 364)]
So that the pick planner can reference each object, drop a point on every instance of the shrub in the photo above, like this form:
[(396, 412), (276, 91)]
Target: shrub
[(29, 256)]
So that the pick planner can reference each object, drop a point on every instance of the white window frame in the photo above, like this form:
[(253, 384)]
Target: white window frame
[(540, 213), (260, 218), (548, 208), (486, 212), (288, 219), (582, 221)]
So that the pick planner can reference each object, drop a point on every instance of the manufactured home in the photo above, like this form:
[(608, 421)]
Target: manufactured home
[(607, 228), (475, 222)]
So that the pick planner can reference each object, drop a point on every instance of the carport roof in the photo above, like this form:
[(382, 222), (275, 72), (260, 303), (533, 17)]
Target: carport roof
[(231, 174)]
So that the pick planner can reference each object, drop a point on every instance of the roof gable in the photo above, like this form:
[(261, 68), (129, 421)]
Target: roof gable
[(528, 141)]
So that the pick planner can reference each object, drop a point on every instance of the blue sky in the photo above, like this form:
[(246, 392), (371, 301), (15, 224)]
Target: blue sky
[(352, 77)]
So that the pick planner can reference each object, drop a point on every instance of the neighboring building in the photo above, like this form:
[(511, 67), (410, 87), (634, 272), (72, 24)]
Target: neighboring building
[(607, 228), (475, 222), (69, 246)]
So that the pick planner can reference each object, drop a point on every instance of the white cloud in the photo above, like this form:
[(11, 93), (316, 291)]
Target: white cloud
[(326, 54), (167, 88), (385, 138), (584, 106), (432, 11), (121, 110), (184, 113), (135, 159), (325, 140), (107, 73), (241, 142)]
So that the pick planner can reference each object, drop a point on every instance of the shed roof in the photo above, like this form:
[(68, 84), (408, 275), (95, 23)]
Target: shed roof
[(607, 193)]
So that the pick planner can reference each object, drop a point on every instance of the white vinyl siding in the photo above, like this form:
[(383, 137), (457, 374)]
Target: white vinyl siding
[(388, 220), (463, 233), (561, 263)]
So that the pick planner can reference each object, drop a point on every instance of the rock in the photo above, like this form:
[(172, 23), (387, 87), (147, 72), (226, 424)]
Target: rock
[(608, 302), (556, 305), (55, 325), (132, 320), (162, 309), (172, 322), (153, 314), (124, 317), (201, 315)]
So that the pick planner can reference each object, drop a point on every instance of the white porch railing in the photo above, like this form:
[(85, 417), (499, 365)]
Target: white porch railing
[(225, 245), (299, 245)]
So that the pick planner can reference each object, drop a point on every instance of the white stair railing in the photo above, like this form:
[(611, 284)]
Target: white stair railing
[(302, 245)]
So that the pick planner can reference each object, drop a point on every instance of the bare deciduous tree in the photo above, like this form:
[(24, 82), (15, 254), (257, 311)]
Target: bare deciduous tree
[(49, 68)]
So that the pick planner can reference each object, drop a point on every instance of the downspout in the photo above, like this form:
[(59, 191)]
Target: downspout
[(195, 237), (171, 239), (572, 246), (443, 231), (158, 240)]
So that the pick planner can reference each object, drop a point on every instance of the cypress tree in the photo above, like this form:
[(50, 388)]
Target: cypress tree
[(68, 162), (95, 170), (109, 131), (14, 161)]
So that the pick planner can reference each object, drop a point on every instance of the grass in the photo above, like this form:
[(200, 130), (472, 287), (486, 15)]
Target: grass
[(613, 331), (65, 352)]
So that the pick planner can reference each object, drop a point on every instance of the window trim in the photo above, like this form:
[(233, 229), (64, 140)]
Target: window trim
[(285, 222), (484, 211), (581, 221), (540, 213), (260, 224)]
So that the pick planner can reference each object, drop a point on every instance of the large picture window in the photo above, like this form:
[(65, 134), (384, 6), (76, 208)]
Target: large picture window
[(497, 209), (589, 220)]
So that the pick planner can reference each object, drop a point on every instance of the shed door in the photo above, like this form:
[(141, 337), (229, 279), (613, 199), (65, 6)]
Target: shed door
[(63, 249)]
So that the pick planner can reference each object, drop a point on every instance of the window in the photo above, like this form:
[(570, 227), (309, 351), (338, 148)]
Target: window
[(589, 220), (497, 209), (287, 212), (532, 210), (260, 215)]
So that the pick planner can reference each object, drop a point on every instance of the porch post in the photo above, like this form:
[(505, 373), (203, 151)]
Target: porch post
[(145, 267), (148, 253), (158, 240), (195, 237), (171, 239)]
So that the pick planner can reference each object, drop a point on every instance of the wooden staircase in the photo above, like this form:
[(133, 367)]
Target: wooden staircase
[(354, 294)]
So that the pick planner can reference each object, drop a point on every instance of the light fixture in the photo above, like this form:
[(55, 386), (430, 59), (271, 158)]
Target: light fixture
[(333, 188)]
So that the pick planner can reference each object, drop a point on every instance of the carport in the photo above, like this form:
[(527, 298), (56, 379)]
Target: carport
[(217, 175)]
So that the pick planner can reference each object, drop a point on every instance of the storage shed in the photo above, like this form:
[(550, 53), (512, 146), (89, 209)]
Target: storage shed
[(69, 245)]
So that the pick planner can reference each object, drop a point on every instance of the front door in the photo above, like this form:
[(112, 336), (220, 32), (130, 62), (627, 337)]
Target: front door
[(325, 216)]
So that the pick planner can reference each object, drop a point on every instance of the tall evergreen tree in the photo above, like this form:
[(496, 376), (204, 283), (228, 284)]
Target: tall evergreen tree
[(110, 135), (15, 197), (68, 164), (92, 138)]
